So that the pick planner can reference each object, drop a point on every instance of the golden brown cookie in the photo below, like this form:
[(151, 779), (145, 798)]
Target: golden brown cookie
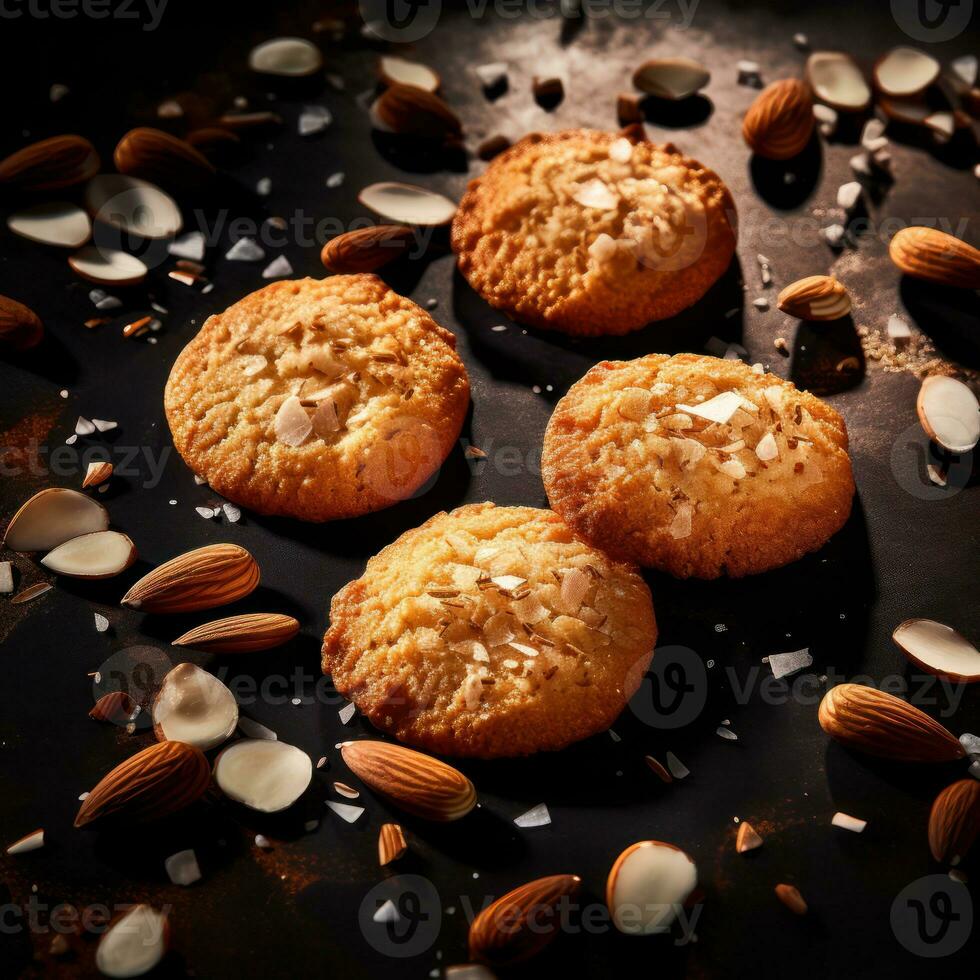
[(697, 466), (318, 399), (491, 631), (593, 233)]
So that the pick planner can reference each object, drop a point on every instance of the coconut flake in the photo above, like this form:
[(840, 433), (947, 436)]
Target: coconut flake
[(848, 195), (346, 713), (677, 768), (595, 193), (188, 246), (335, 180), (621, 150), (6, 578), (232, 514), (182, 868), (286, 56), (314, 119), (252, 729), (965, 69), (387, 913), (767, 448), (104, 425), (680, 526), (726, 733), (603, 248), (718, 409), (537, 816), (292, 425), (783, 664), (134, 944), (847, 822)]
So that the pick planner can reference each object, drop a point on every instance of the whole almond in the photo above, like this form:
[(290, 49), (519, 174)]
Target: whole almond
[(815, 298), (20, 326), (780, 122), (116, 707), (366, 249), (954, 821), (154, 155), (391, 843), (152, 784), (521, 923), (241, 634), (51, 164), (201, 579), (880, 724), (416, 782), (412, 111), (926, 253)]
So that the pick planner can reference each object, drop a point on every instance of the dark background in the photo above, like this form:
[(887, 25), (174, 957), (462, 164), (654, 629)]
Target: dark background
[(908, 550)]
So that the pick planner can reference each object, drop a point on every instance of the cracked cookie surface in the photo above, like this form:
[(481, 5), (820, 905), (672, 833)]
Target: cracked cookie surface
[(491, 631), (697, 466), (318, 399), (593, 233)]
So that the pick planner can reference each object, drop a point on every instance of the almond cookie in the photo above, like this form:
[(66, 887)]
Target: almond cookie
[(697, 466), (593, 233), (491, 631), (318, 399)]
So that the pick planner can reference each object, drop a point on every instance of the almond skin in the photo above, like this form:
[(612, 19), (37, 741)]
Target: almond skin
[(201, 579), (241, 634), (152, 784), (790, 896), (780, 122), (412, 111), (880, 724), (154, 155), (366, 249), (954, 821), (416, 782), (20, 326), (391, 843), (61, 161), (926, 253), (815, 298), (521, 923)]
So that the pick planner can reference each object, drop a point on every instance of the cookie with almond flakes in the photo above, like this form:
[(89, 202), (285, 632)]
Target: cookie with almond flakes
[(592, 233), (697, 466), (318, 399), (491, 631)]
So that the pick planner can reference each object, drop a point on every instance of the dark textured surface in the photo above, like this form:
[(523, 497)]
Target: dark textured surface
[(908, 550)]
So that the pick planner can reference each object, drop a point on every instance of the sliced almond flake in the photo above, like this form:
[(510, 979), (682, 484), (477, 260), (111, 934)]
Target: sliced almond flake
[(345, 810), (537, 816), (278, 267), (603, 248), (766, 448), (508, 583), (783, 664), (326, 421), (472, 691), (104, 425), (206, 512), (733, 447), (575, 584), (658, 768), (748, 838), (346, 713), (732, 468), (252, 364), (530, 610), (32, 592), (595, 193), (83, 427), (292, 424), (252, 729), (688, 451), (847, 822), (680, 526), (726, 733), (313, 119), (524, 649), (509, 664), (31, 842), (345, 790), (189, 246), (101, 623), (245, 250), (485, 553), (7, 579), (497, 630), (387, 913), (677, 768), (232, 514)]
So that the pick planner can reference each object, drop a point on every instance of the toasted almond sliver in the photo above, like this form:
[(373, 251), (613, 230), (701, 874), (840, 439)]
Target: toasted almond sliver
[(748, 839)]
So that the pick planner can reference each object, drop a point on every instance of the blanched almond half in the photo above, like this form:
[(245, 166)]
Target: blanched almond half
[(671, 78), (407, 203), (286, 56), (950, 413), (52, 517), (193, 706), (904, 72), (53, 223), (107, 266), (938, 649), (399, 71), (133, 205), (264, 775), (836, 79), (30, 842), (100, 554), (648, 885), (134, 944)]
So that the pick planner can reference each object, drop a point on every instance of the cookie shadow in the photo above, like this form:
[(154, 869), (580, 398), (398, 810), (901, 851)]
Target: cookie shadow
[(827, 356), (677, 113), (719, 313), (786, 184)]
